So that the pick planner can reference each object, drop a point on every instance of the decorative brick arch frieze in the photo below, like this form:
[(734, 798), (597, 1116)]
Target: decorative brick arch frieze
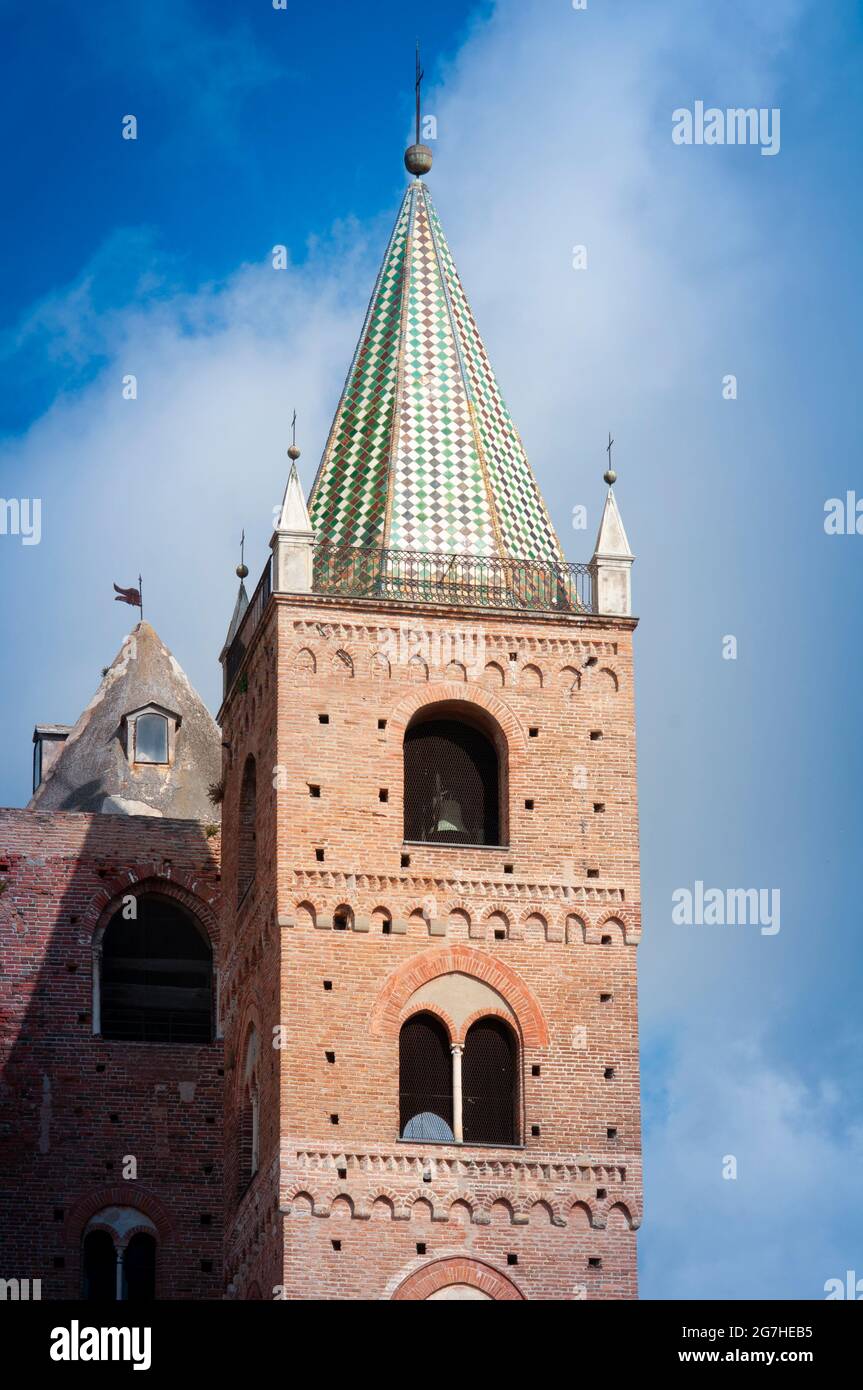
[(457, 1269), (137, 1198), (628, 919), (386, 1015)]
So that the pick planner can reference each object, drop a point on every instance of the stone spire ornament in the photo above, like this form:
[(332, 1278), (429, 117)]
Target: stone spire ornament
[(293, 539), (612, 557), (418, 157)]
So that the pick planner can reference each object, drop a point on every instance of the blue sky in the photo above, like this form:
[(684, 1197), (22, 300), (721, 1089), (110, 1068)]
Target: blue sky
[(259, 127)]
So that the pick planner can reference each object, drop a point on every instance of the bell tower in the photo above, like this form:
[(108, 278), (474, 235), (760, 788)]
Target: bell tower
[(430, 850)]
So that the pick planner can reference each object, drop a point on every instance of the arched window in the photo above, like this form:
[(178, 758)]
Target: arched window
[(249, 1117), (452, 783), (119, 1258), (490, 1083), (151, 738), (247, 849), (425, 1080), (157, 975), (100, 1268)]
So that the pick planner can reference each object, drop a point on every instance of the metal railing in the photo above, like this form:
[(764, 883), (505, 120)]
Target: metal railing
[(460, 580), (425, 577)]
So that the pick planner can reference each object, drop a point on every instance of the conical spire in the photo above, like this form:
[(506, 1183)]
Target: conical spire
[(294, 514), (423, 454)]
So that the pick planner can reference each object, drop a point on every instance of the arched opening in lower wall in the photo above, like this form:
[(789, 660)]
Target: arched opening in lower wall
[(457, 1279)]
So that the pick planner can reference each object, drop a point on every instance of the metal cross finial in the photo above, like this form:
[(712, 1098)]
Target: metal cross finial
[(242, 568), (610, 476), (294, 429), (420, 76)]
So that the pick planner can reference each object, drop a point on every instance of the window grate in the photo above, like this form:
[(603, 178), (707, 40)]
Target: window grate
[(451, 784), (490, 1083), (425, 1079)]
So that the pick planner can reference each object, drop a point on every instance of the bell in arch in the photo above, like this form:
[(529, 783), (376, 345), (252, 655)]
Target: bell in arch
[(450, 817)]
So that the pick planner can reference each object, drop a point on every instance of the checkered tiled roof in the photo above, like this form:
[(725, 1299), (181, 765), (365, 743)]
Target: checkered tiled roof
[(423, 454)]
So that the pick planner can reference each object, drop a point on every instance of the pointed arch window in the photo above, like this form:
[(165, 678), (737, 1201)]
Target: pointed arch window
[(458, 1093), (118, 1257)]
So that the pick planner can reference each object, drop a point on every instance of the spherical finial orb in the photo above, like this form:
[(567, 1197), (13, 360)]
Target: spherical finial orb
[(418, 159), (242, 571), (293, 453), (610, 477)]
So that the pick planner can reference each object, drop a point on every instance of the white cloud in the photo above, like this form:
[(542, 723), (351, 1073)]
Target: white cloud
[(788, 1222)]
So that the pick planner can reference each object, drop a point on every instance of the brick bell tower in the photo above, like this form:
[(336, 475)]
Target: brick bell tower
[(430, 850)]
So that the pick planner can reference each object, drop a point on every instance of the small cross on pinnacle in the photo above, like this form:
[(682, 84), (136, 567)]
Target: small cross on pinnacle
[(293, 452), (610, 476), (419, 83), (242, 567)]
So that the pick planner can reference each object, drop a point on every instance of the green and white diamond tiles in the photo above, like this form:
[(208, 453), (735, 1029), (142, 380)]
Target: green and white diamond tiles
[(423, 454)]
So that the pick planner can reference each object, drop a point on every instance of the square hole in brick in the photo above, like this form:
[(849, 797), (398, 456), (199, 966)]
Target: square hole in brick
[(334, 1119), (59, 1214), (82, 1018), (115, 1119), (534, 1129), (328, 984), (593, 873), (382, 723), (536, 1069), (605, 941), (512, 1259), (109, 1165), (507, 868), (340, 921), (601, 1193), (406, 861), (207, 1168), (606, 998), (386, 927), (342, 1172), (59, 1262), (331, 1058), (319, 855), (337, 1245), (595, 735), (205, 1218), (609, 1073), (421, 1247), (500, 934), (528, 805), (100, 1066), (323, 719), (206, 1266), (595, 1262), (599, 807), (533, 733), (314, 790), (383, 794), (611, 1132)]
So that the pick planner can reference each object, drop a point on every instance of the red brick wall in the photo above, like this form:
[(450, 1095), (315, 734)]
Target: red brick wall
[(72, 1106), (567, 879)]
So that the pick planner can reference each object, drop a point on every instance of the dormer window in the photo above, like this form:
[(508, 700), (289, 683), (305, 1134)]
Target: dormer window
[(151, 738), (150, 735)]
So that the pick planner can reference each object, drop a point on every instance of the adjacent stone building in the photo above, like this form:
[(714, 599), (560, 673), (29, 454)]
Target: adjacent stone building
[(377, 1039)]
